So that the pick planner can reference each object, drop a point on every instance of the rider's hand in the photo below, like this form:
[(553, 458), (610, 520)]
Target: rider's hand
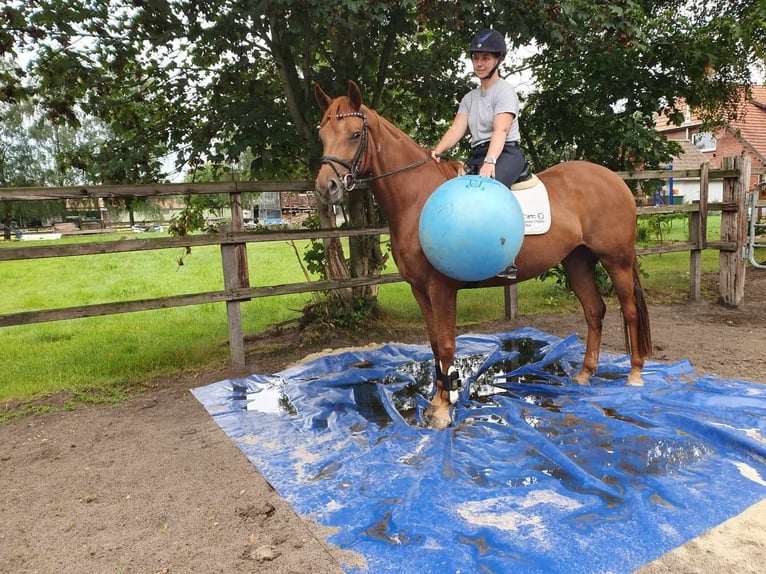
[(487, 170), (435, 155)]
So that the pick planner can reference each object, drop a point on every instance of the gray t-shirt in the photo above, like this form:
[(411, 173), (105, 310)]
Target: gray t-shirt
[(482, 107)]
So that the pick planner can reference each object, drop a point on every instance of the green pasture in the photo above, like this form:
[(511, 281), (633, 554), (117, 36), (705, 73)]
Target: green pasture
[(102, 358)]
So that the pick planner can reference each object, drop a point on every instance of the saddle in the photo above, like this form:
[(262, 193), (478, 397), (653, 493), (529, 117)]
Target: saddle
[(524, 176), (527, 183)]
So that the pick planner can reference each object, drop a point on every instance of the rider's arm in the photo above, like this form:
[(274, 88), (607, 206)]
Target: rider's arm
[(453, 135), (500, 128)]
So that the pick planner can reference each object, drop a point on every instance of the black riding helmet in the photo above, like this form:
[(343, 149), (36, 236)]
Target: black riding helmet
[(492, 42), (488, 41)]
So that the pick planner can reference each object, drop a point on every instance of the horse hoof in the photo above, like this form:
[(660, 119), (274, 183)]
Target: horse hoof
[(438, 417), (635, 381), (440, 423), (582, 379)]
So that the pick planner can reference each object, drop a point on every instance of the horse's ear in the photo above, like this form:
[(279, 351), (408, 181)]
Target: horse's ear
[(323, 100), (355, 95)]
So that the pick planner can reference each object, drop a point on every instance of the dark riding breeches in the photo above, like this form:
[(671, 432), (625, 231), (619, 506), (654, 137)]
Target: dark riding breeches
[(510, 165)]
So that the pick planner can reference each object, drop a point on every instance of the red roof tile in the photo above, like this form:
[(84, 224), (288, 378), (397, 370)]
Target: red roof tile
[(691, 157), (749, 127), (751, 123)]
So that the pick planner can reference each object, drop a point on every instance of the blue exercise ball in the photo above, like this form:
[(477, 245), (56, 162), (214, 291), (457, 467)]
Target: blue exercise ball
[(471, 228)]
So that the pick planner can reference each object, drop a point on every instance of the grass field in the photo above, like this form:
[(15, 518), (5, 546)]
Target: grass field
[(98, 358)]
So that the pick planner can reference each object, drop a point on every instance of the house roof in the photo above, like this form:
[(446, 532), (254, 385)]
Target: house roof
[(691, 119), (690, 158), (749, 127)]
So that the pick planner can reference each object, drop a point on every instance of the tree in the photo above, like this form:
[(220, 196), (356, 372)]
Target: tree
[(19, 166), (198, 207), (605, 69), (208, 78), (34, 153)]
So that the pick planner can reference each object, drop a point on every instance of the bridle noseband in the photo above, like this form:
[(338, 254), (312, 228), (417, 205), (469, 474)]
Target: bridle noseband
[(350, 179)]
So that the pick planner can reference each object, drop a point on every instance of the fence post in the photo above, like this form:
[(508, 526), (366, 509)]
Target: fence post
[(698, 235), (511, 300), (235, 276), (734, 229)]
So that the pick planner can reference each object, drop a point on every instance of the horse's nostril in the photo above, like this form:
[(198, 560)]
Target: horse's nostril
[(329, 191)]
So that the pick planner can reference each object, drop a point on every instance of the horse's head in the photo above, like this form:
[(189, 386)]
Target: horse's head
[(344, 133)]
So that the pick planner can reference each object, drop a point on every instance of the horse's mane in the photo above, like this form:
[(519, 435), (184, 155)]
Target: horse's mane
[(342, 105), (451, 168)]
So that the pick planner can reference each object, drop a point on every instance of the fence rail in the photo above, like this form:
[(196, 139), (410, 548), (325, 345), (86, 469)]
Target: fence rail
[(128, 245), (233, 242)]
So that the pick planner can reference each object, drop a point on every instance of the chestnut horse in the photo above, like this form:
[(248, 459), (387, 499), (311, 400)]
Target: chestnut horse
[(593, 218)]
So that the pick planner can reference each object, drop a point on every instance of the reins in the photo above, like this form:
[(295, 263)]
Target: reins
[(413, 165), (350, 179)]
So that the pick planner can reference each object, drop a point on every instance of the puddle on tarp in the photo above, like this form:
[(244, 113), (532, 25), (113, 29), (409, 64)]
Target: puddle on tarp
[(537, 474)]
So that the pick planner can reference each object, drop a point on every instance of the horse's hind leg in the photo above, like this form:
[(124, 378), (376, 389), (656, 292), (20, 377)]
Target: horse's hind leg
[(580, 267), (635, 317)]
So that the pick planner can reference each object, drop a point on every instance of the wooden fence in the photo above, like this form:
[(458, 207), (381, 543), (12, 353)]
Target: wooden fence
[(234, 239)]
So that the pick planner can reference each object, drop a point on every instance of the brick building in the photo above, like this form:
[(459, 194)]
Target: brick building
[(744, 135)]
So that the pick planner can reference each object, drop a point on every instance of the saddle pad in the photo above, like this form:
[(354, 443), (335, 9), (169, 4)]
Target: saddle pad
[(533, 199)]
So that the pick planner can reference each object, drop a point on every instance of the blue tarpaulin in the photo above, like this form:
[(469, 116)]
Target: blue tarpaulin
[(537, 474)]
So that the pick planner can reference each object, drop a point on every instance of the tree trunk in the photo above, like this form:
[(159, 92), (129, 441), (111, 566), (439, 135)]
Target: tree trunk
[(6, 222), (336, 267), (366, 256)]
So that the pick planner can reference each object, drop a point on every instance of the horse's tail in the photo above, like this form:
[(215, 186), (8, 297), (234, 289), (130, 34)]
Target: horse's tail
[(644, 330)]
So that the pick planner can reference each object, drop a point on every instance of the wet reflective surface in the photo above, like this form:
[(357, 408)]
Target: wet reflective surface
[(494, 392), (536, 474), (418, 378), (265, 398)]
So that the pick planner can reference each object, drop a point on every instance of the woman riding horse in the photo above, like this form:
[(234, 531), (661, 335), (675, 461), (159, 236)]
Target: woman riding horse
[(491, 113), (593, 218)]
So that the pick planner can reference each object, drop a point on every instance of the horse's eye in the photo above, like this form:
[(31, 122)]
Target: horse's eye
[(356, 135)]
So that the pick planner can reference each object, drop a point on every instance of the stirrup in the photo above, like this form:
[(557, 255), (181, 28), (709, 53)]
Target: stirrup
[(508, 273)]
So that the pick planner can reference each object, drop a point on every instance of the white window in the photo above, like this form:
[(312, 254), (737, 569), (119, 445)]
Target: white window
[(705, 141)]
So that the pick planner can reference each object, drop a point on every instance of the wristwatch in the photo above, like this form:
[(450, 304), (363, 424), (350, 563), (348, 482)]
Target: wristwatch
[(490, 160)]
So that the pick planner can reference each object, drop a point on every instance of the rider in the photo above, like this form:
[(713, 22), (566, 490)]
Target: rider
[(491, 113)]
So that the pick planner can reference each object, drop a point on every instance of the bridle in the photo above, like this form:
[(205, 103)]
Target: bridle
[(350, 178)]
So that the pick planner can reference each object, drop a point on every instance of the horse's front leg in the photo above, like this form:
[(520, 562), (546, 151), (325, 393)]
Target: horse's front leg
[(439, 307)]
